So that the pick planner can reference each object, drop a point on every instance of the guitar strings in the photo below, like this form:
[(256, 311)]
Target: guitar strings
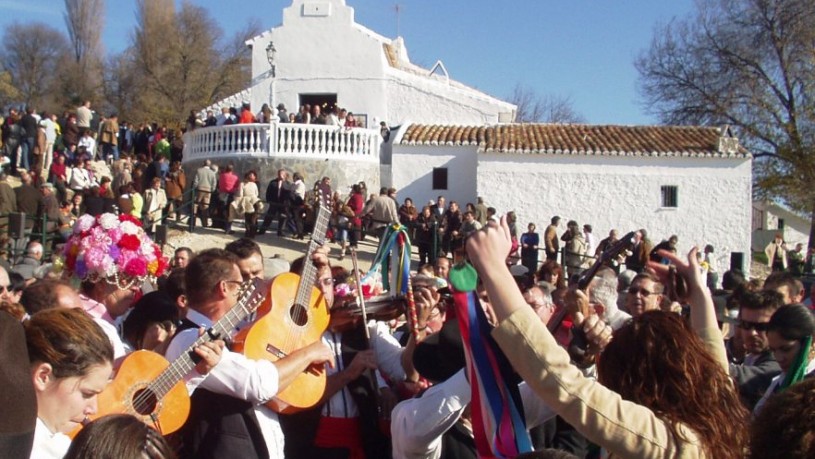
[(163, 383)]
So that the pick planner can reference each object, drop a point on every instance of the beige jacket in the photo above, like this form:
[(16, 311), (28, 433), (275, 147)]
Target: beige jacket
[(625, 429), (245, 200)]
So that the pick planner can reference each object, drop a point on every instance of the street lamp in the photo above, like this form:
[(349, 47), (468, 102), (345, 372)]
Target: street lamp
[(270, 56)]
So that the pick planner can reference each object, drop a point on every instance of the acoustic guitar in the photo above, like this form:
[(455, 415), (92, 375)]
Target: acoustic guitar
[(152, 389), (298, 317)]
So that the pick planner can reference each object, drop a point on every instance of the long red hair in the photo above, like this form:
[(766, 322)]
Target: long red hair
[(657, 361)]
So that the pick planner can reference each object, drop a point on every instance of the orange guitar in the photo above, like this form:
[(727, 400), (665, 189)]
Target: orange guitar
[(152, 389), (298, 317)]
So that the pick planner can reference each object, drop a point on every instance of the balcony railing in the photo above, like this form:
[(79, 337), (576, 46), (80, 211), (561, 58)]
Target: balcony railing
[(282, 139)]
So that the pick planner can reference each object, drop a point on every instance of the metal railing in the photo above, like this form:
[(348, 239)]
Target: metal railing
[(286, 139), (34, 228)]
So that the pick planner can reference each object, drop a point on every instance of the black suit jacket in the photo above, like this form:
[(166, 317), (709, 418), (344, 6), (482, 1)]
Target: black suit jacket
[(221, 426), (271, 193), (753, 380)]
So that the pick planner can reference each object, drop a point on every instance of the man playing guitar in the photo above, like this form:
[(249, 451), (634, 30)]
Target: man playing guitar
[(228, 417)]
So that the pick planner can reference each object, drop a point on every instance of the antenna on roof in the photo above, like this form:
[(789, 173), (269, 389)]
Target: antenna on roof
[(398, 8)]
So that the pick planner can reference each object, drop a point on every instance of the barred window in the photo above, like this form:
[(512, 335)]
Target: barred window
[(670, 196), (439, 178)]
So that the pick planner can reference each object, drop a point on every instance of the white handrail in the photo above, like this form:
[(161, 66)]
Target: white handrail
[(283, 139)]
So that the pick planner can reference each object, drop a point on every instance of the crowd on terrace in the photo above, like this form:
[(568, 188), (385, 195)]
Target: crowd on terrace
[(328, 115)]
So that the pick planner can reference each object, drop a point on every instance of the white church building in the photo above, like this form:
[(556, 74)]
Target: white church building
[(450, 139)]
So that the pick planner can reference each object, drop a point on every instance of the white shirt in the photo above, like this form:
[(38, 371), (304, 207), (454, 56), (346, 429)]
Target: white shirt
[(255, 381), (388, 354), (79, 179), (417, 424), (50, 130), (49, 445), (332, 120), (299, 188), (89, 143), (591, 243)]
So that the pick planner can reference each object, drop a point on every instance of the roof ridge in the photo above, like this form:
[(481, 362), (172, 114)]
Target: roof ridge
[(577, 139)]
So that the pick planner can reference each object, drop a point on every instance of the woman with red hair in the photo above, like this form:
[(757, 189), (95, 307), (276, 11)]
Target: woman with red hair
[(663, 388)]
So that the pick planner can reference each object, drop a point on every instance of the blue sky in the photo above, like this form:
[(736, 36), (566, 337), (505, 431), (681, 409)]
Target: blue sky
[(579, 49)]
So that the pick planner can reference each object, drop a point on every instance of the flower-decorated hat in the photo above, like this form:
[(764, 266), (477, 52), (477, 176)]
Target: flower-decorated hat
[(114, 249)]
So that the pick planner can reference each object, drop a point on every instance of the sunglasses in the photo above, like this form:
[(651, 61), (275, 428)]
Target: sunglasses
[(644, 293), (757, 326)]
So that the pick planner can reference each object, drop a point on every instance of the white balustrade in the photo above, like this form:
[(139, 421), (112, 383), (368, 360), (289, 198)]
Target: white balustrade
[(283, 139)]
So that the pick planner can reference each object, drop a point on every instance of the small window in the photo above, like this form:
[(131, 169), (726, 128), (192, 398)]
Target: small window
[(439, 178), (670, 196), (781, 224)]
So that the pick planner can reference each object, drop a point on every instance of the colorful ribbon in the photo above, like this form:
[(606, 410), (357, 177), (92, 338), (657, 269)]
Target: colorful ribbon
[(498, 423), (392, 260)]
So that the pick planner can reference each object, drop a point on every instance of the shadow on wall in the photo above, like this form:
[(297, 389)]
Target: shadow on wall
[(343, 174)]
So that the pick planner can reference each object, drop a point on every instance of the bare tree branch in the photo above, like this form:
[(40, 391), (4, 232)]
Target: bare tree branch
[(533, 108), (749, 64)]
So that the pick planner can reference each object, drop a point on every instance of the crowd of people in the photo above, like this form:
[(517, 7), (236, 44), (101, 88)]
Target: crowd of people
[(328, 115), (656, 357), (82, 162), (662, 371)]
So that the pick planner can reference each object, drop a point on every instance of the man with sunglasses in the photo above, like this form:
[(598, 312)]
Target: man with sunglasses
[(758, 369), (644, 294)]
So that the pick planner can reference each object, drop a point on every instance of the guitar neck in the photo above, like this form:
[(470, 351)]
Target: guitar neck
[(588, 275), (222, 329), (309, 274)]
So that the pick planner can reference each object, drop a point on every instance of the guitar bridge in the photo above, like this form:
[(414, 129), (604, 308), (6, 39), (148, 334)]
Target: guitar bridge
[(271, 349), (277, 352)]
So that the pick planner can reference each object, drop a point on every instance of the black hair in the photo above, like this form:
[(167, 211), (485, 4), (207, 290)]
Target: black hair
[(792, 322), (243, 248)]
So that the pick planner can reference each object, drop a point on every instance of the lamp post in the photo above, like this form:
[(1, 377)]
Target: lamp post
[(271, 137), (270, 56)]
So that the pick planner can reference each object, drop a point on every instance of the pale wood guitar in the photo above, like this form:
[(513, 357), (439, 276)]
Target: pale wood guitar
[(298, 317), (152, 389)]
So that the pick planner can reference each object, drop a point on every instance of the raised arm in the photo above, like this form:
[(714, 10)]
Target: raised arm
[(622, 427), (702, 311)]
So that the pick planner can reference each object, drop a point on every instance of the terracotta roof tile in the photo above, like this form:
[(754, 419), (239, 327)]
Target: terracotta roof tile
[(581, 139)]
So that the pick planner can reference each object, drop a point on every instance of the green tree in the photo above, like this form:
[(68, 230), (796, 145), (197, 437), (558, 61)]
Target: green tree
[(749, 64), (8, 92)]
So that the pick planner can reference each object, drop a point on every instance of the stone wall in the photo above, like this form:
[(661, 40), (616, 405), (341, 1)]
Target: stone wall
[(342, 175)]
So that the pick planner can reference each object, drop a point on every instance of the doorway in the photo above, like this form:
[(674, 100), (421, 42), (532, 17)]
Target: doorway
[(325, 101)]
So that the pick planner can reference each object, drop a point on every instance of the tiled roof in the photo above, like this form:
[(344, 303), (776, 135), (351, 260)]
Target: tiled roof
[(581, 139)]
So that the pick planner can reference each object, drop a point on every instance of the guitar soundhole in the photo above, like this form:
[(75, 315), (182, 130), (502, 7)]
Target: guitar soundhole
[(144, 401), (299, 315)]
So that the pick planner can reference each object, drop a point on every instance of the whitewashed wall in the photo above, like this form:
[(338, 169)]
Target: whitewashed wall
[(320, 54), (324, 51), (625, 193), (430, 101), (796, 228), (413, 173)]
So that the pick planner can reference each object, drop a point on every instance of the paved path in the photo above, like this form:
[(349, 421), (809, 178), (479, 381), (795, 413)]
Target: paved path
[(270, 244)]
